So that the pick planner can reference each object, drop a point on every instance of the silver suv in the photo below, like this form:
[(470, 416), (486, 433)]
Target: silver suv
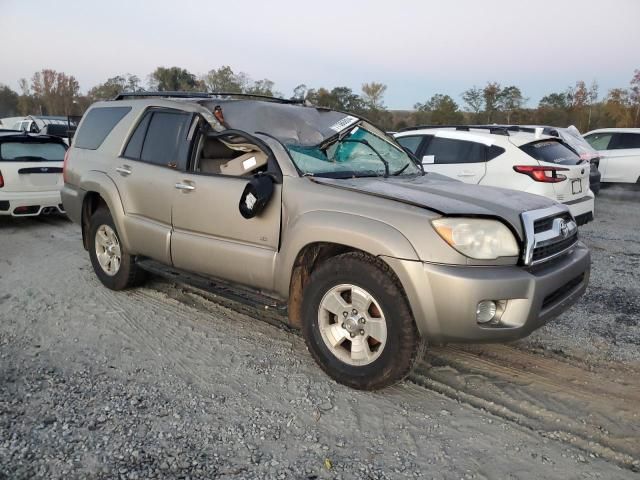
[(322, 210)]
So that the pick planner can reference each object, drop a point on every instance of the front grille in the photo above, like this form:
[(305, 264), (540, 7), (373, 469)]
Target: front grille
[(562, 292), (540, 253), (544, 224)]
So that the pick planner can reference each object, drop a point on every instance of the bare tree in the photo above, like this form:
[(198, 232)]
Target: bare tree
[(372, 94)]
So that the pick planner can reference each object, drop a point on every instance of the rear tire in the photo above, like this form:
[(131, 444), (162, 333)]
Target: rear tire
[(114, 267), (371, 341)]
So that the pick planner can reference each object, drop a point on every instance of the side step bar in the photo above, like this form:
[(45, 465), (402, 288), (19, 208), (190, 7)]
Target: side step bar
[(239, 294)]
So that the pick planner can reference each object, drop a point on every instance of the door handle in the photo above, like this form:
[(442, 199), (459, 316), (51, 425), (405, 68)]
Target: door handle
[(185, 187), (124, 170), (466, 174)]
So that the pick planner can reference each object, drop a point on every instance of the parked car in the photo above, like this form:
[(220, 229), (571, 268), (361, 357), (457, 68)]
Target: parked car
[(30, 173), (59, 126), (570, 136), (321, 210), (494, 156), (619, 150)]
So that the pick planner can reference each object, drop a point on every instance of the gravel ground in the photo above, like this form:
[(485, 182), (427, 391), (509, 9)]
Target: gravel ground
[(605, 324), (98, 384)]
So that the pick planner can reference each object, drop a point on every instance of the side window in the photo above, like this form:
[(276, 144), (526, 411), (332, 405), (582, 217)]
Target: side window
[(448, 150), (134, 147), (412, 143), (97, 124), (166, 141), (599, 141), (628, 140)]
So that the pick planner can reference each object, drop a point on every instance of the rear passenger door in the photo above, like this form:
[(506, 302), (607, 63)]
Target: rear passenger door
[(146, 174), (623, 158), (459, 159)]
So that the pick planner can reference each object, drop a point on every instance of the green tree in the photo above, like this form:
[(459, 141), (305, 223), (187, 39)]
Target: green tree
[(438, 110), (224, 79), (174, 79), (114, 86), (510, 100), (491, 96), (8, 102), (474, 101), (262, 87), (339, 98)]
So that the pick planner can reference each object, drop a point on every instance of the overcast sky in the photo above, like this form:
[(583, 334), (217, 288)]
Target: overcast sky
[(417, 48)]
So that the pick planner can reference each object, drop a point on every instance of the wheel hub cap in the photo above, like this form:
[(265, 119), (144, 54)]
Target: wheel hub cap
[(352, 324), (108, 250)]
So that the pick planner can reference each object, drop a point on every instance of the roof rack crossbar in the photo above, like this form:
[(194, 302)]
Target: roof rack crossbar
[(182, 94), (497, 130)]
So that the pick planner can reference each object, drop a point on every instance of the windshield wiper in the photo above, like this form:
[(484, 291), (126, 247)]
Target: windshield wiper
[(401, 170), (414, 159), (364, 142)]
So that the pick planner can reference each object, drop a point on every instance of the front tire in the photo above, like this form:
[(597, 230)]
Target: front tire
[(115, 268), (357, 322)]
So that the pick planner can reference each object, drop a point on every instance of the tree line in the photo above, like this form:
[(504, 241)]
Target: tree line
[(56, 93)]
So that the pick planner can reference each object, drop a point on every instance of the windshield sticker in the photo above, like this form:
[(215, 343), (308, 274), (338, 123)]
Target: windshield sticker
[(343, 123)]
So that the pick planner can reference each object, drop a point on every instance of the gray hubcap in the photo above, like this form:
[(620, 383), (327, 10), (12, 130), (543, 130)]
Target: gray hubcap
[(108, 250), (352, 325)]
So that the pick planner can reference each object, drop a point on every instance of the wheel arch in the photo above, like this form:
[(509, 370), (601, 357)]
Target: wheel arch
[(314, 241), (100, 190)]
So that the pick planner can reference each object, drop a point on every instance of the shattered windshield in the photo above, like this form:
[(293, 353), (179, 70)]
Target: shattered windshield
[(356, 152)]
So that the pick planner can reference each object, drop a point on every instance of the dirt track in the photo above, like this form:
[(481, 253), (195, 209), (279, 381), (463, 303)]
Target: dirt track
[(162, 382)]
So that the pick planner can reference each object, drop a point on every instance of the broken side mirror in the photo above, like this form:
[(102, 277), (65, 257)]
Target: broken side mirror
[(256, 196)]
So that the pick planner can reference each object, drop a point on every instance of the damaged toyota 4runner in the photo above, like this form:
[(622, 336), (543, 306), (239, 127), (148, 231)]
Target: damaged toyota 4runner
[(321, 210)]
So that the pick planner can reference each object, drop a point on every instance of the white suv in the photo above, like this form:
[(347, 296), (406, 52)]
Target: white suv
[(30, 173), (495, 156), (619, 150)]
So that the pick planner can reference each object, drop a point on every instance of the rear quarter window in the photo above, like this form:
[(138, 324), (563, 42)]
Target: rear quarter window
[(411, 143), (551, 151), (97, 124)]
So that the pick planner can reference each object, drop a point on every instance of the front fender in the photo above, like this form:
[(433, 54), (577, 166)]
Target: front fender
[(372, 236)]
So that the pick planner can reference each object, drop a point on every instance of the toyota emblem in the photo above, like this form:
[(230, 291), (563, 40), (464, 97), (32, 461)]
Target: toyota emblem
[(44, 169), (564, 228)]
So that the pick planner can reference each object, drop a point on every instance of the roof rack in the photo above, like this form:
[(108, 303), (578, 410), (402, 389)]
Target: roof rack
[(125, 95), (495, 129)]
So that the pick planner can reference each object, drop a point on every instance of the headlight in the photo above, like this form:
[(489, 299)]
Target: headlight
[(477, 238)]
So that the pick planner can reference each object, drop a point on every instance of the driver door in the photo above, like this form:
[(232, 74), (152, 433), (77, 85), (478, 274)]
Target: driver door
[(211, 237)]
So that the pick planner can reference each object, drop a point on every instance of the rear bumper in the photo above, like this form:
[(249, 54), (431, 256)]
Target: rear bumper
[(583, 208), (444, 298), (30, 204), (72, 199)]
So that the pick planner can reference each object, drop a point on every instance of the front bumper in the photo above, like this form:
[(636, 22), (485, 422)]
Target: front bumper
[(444, 298), (30, 204)]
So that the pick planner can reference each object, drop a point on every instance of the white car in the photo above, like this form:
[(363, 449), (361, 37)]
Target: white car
[(494, 156), (619, 150), (30, 174)]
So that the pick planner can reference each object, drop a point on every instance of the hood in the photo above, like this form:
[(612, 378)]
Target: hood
[(448, 197)]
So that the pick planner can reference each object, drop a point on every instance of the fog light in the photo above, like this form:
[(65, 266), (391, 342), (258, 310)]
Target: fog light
[(486, 311)]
